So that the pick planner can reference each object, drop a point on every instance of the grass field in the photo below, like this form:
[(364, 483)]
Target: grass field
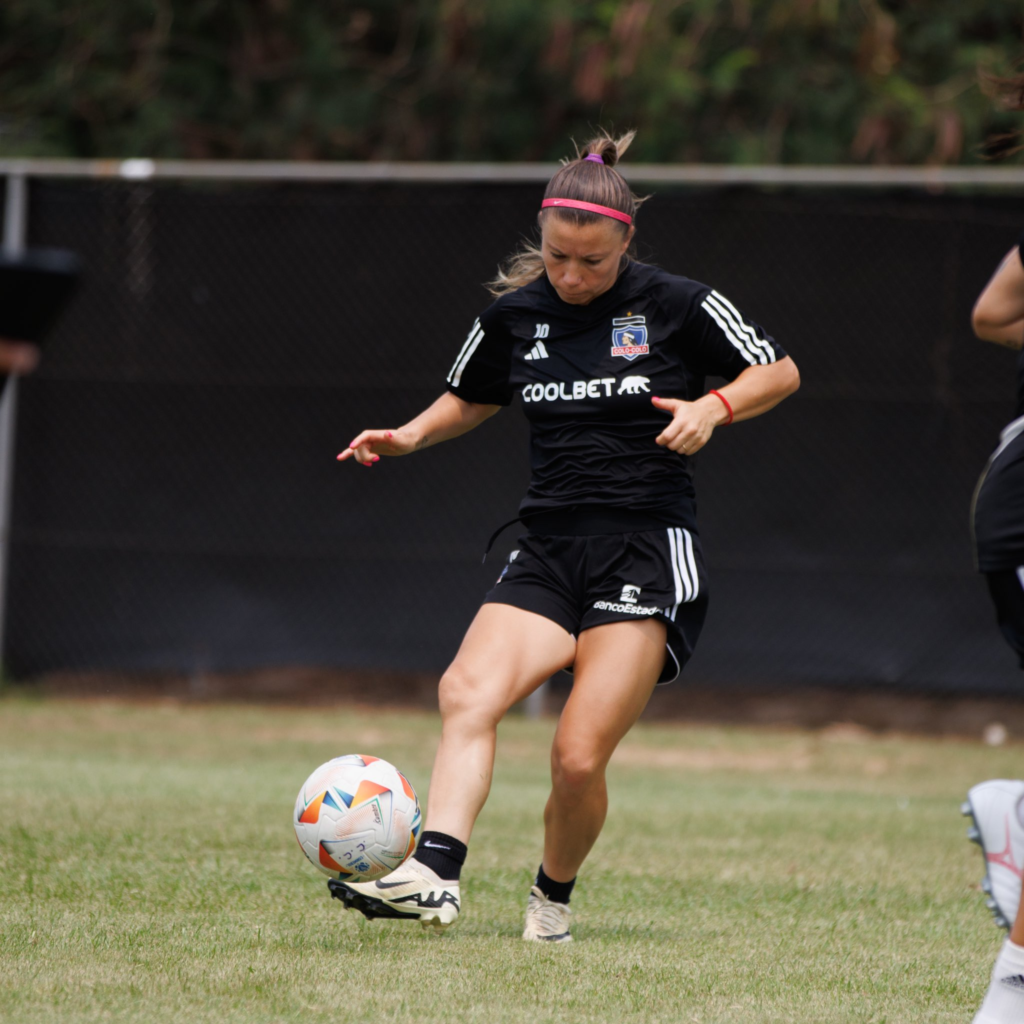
[(148, 872)]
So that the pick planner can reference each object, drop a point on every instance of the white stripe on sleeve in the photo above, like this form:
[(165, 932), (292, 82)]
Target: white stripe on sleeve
[(466, 344), (759, 344), (712, 311), (737, 328), (465, 355)]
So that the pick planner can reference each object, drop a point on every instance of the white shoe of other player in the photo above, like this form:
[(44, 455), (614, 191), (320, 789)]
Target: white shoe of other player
[(995, 808), (546, 921), (411, 892), (1004, 1000)]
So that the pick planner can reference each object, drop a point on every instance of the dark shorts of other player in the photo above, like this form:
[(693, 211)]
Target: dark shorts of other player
[(997, 512), (1007, 589), (581, 582)]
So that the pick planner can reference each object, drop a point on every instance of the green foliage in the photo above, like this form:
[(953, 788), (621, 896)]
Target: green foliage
[(796, 81)]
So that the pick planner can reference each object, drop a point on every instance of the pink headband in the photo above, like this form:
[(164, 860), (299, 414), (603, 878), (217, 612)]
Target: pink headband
[(578, 204)]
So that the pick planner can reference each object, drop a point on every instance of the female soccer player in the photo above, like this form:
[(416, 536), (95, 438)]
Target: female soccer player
[(608, 357), (997, 806)]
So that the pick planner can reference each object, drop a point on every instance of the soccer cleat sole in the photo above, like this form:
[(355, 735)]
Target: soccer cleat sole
[(974, 835), (558, 940), (373, 909), (366, 905)]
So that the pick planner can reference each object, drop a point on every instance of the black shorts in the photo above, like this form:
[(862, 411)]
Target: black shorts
[(1007, 589), (580, 582), (997, 512)]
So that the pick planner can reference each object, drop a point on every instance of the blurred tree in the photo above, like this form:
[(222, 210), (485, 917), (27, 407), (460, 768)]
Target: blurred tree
[(792, 81)]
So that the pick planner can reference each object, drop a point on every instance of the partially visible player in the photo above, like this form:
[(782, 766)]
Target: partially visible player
[(17, 356), (997, 806)]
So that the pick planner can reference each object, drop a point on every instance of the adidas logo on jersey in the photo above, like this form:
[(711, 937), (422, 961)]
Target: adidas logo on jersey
[(538, 351)]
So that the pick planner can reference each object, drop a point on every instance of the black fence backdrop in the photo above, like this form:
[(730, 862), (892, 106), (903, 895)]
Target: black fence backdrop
[(177, 504)]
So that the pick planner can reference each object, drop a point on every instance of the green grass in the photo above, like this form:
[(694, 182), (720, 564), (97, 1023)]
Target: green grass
[(148, 872)]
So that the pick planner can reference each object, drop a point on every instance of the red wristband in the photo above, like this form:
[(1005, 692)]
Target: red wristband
[(719, 395)]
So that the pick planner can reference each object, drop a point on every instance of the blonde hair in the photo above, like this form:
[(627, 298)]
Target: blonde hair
[(582, 179)]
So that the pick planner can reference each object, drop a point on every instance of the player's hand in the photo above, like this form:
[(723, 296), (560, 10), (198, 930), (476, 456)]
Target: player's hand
[(370, 445), (17, 356), (691, 427)]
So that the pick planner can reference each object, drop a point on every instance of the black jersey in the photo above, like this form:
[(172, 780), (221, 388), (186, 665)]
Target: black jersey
[(585, 376)]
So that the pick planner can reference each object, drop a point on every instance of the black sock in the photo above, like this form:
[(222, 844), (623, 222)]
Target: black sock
[(559, 892), (443, 854)]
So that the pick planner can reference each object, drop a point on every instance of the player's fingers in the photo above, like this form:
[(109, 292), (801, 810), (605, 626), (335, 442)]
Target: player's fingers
[(361, 448), (363, 456), (690, 442), (666, 404), (673, 430), (371, 439), (670, 435)]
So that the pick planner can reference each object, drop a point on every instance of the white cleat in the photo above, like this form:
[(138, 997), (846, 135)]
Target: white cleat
[(995, 809), (411, 892), (546, 921)]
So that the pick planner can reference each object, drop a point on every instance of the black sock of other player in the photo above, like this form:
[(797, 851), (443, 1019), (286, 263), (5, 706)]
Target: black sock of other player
[(558, 892), (443, 854)]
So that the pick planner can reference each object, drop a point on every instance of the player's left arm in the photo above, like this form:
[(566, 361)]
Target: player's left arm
[(756, 390), (998, 314)]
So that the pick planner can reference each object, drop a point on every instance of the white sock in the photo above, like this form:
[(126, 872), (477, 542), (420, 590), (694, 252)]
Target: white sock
[(1004, 1001)]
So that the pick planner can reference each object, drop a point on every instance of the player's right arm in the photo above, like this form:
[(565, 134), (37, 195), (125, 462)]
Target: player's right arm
[(448, 417), (999, 312), (478, 386)]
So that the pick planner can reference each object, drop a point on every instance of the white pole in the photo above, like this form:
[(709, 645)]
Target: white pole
[(15, 233)]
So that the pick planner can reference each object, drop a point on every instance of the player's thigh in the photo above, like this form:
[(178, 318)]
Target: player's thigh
[(505, 655), (617, 666)]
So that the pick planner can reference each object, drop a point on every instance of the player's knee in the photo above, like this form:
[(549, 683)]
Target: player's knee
[(574, 768), (463, 694)]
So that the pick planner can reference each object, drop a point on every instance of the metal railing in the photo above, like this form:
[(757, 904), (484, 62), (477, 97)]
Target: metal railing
[(142, 169)]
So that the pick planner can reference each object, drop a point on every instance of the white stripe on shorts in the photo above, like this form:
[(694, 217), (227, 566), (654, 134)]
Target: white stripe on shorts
[(684, 567), (675, 573)]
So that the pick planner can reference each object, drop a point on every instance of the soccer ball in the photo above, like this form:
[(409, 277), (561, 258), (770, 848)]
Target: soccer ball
[(357, 818)]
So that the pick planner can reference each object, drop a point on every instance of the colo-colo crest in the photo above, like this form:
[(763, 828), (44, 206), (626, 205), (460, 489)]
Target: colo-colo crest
[(629, 337)]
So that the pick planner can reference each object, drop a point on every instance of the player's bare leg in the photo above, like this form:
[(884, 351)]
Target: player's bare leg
[(506, 654), (504, 657), (617, 666)]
